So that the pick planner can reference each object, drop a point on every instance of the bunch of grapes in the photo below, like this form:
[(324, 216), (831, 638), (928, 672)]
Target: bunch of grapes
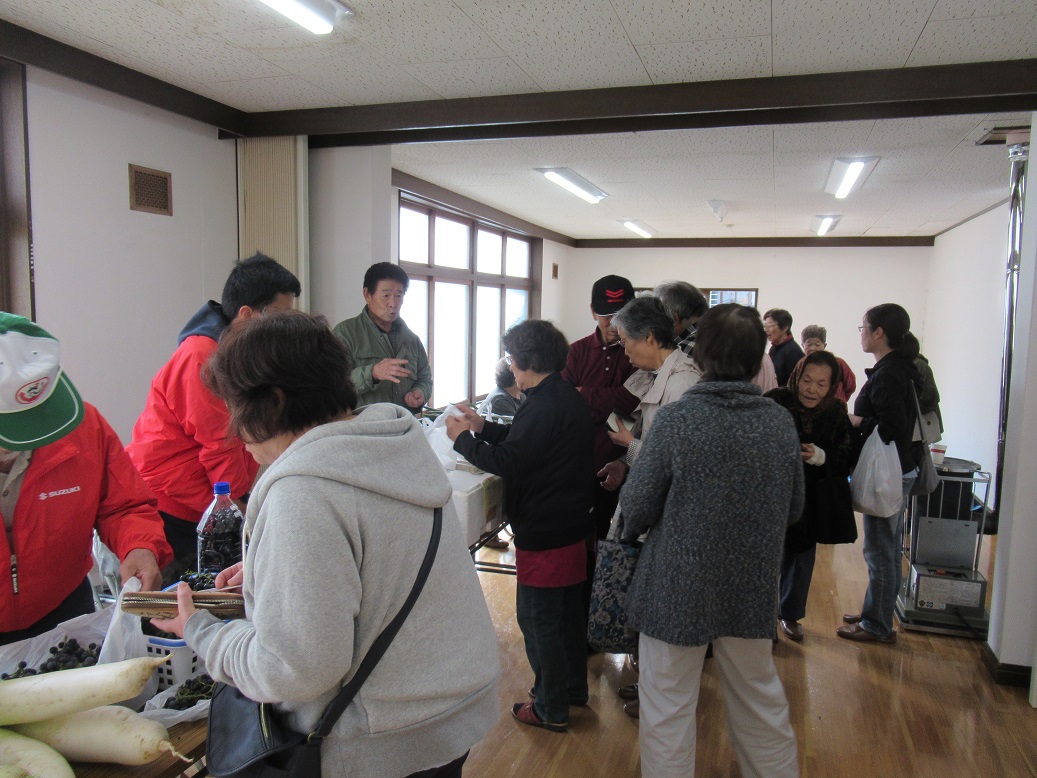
[(191, 691), (64, 656)]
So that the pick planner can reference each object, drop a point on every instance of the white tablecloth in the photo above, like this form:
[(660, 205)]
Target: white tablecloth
[(477, 499)]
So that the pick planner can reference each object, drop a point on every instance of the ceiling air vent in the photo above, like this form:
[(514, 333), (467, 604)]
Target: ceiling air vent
[(151, 191)]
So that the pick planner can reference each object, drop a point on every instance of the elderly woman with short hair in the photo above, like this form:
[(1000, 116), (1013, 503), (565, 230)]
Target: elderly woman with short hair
[(546, 458), (331, 556), (715, 486), (664, 372)]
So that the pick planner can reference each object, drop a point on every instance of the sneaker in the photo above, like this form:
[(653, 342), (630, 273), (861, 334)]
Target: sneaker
[(526, 713)]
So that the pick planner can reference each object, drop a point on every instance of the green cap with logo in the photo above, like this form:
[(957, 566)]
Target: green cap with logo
[(38, 404)]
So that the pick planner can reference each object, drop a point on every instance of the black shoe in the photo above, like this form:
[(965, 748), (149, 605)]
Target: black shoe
[(628, 692)]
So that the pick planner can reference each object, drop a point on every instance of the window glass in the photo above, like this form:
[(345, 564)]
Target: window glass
[(450, 334), (517, 258), (488, 252), (413, 236), (451, 249), (487, 337), (415, 310), (740, 296), (516, 306)]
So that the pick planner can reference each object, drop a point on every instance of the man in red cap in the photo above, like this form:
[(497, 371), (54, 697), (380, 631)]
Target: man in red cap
[(597, 366), (63, 474)]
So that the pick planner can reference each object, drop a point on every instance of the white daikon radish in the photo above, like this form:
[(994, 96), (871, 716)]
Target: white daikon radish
[(46, 696), (32, 756), (107, 734)]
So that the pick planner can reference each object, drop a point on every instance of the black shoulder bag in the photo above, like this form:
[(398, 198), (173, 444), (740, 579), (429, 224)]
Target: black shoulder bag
[(246, 739)]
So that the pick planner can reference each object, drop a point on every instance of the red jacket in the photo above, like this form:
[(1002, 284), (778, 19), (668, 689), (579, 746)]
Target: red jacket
[(180, 442), (599, 370), (82, 482)]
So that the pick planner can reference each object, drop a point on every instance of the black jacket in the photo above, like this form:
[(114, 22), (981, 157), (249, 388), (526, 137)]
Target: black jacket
[(830, 431), (886, 402), (785, 356), (546, 458)]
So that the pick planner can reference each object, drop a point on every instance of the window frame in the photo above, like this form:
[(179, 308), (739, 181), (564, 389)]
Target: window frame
[(471, 277), (708, 291)]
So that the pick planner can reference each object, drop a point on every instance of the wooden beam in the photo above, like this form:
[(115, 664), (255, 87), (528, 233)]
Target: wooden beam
[(30, 48), (982, 87)]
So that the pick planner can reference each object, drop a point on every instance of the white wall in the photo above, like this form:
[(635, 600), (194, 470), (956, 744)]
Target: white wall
[(964, 330), (351, 220), (553, 300), (828, 286), (115, 285)]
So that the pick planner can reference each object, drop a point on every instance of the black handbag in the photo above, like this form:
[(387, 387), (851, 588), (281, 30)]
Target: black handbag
[(247, 739)]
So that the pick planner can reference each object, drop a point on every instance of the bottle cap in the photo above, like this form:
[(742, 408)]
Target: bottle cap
[(221, 487)]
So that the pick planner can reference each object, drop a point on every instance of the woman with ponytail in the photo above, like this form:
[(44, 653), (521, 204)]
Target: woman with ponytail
[(885, 403)]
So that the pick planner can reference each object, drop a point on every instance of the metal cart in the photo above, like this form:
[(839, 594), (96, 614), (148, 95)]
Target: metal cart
[(943, 591)]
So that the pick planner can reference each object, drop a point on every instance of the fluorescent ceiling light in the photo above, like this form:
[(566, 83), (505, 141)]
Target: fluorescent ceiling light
[(848, 175), (638, 227), (822, 225), (574, 183), (317, 16)]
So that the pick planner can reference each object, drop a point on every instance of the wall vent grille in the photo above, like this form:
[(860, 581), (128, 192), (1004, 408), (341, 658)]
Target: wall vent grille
[(151, 191)]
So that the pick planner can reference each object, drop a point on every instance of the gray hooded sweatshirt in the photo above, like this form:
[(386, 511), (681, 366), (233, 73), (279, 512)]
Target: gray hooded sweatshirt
[(336, 530)]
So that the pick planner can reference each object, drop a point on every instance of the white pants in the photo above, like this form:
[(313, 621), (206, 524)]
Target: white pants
[(754, 699)]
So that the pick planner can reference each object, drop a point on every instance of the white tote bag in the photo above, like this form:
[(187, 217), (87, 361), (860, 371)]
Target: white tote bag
[(877, 483)]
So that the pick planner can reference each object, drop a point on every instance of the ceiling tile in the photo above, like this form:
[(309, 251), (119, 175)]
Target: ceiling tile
[(713, 60), (564, 44), (473, 77), (844, 138), (816, 36), (963, 9), (420, 31), (673, 21), (976, 39), (283, 93)]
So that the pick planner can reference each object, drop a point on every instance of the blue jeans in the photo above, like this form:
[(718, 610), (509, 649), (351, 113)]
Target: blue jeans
[(554, 627), (796, 572), (883, 549)]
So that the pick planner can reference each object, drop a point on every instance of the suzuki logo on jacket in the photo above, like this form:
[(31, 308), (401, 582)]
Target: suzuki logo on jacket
[(59, 492)]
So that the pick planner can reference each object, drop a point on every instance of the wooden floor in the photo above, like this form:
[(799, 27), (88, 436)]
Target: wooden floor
[(924, 707)]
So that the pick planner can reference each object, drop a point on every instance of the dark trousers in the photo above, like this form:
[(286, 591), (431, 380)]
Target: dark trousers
[(553, 622), (183, 537), (451, 770), (796, 572), (80, 602)]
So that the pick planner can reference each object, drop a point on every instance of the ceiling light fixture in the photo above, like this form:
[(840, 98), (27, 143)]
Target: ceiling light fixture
[(638, 227), (719, 208), (822, 225), (317, 16), (574, 183), (848, 175)]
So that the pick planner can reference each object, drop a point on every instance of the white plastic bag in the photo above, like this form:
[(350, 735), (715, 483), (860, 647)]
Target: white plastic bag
[(126, 640), (437, 438), (877, 485), (167, 717)]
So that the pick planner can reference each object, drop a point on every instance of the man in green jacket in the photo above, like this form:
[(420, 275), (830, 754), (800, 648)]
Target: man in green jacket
[(391, 363)]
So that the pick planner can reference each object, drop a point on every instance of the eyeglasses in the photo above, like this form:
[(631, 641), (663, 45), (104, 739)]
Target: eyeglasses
[(863, 327), (507, 358)]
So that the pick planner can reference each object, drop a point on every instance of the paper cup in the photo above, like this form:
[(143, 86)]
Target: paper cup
[(938, 451)]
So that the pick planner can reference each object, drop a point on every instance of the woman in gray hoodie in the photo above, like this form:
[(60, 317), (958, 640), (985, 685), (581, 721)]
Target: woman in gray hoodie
[(335, 537)]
